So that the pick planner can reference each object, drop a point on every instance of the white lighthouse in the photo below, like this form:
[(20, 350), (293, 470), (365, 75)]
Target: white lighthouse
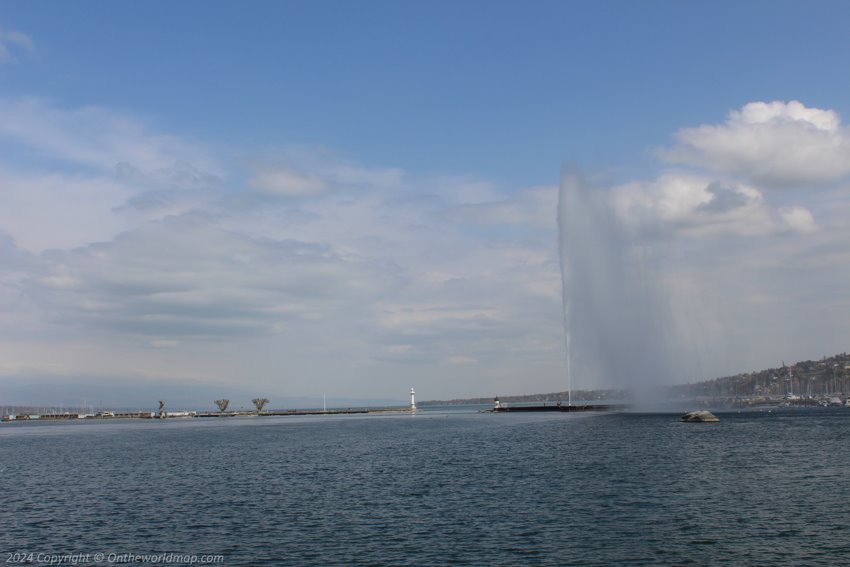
[(412, 400)]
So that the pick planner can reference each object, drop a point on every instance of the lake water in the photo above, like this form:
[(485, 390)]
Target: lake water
[(439, 487)]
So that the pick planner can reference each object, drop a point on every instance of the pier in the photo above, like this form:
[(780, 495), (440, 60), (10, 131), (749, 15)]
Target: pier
[(501, 407), (195, 414), (24, 413), (554, 407), (306, 412)]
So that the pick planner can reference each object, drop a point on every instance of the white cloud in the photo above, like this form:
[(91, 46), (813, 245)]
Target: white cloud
[(776, 144), (798, 219), (462, 360), (412, 318), (70, 177), (533, 206), (186, 278), (287, 182), (57, 210), (310, 171), (11, 41), (460, 190), (93, 137), (347, 173), (694, 206)]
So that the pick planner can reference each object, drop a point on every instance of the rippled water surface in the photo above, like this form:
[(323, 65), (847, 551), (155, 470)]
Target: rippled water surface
[(436, 488)]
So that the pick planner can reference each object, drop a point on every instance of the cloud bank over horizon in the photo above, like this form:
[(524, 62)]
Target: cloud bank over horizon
[(127, 253), (139, 255)]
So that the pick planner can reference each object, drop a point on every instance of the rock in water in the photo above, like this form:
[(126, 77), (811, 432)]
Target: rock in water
[(699, 417)]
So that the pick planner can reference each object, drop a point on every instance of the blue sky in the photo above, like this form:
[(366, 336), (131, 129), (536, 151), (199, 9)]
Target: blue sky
[(502, 89), (393, 167)]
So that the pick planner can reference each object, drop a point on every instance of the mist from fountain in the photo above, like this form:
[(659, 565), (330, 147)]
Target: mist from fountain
[(618, 330)]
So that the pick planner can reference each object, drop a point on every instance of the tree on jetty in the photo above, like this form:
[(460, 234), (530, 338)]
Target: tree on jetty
[(260, 403), (222, 405)]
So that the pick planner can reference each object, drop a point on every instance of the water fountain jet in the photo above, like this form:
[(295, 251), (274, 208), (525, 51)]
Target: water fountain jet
[(617, 318)]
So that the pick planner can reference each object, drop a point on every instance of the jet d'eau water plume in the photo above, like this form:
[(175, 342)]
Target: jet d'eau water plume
[(617, 324)]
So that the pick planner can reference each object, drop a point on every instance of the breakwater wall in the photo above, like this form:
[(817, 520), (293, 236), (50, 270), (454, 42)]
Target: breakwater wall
[(195, 414)]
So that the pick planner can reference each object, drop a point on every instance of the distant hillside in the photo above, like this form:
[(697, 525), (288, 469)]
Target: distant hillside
[(577, 395), (825, 377)]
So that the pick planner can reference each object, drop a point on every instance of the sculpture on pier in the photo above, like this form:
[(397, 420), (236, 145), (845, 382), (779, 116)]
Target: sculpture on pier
[(161, 412), (260, 403), (222, 405)]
